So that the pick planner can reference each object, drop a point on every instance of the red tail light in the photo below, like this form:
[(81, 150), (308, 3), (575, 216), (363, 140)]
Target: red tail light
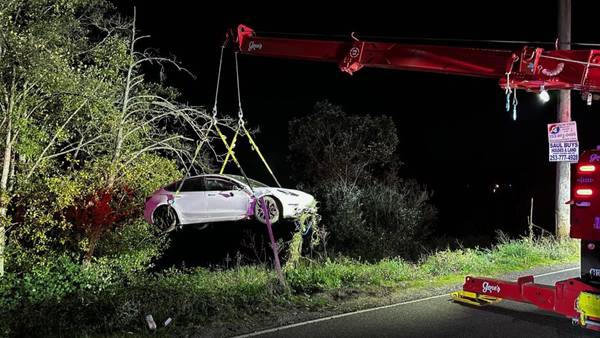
[(587, 168), (584, 192)]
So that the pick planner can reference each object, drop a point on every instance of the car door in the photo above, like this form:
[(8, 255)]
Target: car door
[(190, 201), (225, 200)]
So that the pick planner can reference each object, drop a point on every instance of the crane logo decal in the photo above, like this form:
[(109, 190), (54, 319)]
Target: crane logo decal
[(554, 129), (595, 158), (254, 46), (487, 287)]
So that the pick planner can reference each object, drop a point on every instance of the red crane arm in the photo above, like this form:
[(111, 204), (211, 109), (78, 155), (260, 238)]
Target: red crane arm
[(529, 68)]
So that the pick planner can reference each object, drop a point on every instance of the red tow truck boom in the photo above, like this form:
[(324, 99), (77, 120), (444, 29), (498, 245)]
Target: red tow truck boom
[(528, 68)]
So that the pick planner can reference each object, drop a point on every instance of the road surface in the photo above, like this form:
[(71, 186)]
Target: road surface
[(439, 317)]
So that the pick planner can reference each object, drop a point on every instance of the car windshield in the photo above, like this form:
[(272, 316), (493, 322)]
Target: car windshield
[(253, 183)]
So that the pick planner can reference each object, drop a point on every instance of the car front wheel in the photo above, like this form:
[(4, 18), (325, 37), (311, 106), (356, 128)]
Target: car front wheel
[(165, 218), (271, 206)]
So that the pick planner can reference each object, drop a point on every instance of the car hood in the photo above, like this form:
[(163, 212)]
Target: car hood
[(290, 196)]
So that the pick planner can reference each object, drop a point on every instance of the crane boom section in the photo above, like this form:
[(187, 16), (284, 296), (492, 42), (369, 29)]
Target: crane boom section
[(529, 68)]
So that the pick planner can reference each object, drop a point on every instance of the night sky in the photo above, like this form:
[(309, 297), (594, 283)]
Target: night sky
[(455, 135)]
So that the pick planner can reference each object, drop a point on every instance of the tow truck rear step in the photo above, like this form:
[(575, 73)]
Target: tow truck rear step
[(473, 298)]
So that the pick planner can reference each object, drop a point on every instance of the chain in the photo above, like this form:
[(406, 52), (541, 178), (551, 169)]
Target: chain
[(237, 77)]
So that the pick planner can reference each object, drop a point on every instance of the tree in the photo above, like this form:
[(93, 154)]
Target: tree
[(41, 83), (349, 163), (142, 118), (329, 144), (77, 106)]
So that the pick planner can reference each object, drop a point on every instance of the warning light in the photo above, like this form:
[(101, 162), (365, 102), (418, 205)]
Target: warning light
[(587, 168), (544, 96), (584, 192)]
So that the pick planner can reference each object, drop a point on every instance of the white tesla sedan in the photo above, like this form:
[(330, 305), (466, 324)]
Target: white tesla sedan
[(207, 199)]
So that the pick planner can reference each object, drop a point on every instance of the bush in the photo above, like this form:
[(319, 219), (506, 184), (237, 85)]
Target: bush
[(72, 212), (351, 167), (376, 220), (400, 210)]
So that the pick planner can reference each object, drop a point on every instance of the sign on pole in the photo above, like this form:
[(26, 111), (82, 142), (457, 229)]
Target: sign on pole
[(563, 131), (567, 151), (563, 143)]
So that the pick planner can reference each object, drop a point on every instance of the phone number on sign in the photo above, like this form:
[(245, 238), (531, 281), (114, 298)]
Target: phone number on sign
[(565, 157)]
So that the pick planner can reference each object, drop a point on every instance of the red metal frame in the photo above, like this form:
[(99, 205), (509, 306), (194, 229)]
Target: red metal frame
[(560, 298), (529, 68)]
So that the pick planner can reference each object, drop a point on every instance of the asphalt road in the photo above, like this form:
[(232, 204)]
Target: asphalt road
[(440, 317)]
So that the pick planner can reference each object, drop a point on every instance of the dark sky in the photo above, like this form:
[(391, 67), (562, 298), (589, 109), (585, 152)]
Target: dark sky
[(455, 135)]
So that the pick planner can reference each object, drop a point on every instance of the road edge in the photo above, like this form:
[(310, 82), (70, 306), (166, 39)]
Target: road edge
[(536, 272)]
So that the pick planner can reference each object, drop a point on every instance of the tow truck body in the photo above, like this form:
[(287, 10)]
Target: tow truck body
[(528, 68), (575, 298)]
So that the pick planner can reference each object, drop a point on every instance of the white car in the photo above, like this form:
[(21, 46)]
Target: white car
[(207, 199)]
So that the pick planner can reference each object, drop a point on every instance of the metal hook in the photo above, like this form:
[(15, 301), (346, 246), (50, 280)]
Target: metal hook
[(352, 35)]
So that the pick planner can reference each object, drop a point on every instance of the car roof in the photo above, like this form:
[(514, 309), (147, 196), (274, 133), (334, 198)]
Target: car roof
[(225, 176)]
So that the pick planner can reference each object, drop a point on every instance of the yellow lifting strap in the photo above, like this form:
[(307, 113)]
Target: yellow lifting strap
[(231, 153), (257, 150), (229, 149), (231, 146)]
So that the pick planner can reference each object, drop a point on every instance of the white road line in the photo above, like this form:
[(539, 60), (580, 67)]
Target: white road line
[(555, 272), (285, 327)]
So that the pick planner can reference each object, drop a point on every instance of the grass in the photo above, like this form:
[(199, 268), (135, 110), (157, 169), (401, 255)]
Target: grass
[(507, 256), (196, 299)]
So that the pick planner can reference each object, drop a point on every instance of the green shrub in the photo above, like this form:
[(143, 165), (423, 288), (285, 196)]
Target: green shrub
[(376, 220), (350, 165), (48, 209)]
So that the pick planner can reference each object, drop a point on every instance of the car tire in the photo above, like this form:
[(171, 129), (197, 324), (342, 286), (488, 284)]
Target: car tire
[(272, 207), (165, 219)]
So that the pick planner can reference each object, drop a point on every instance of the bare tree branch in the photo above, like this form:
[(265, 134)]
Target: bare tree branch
[(53, 140)]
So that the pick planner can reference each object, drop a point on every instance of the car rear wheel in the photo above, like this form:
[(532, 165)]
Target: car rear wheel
[(271, 206), (165, 218)]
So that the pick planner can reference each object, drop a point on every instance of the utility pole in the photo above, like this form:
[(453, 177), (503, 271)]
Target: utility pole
[(563, 169)]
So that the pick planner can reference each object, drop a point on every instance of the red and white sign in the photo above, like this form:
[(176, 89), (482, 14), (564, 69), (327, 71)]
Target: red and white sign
[(562, 142), (563, 131)]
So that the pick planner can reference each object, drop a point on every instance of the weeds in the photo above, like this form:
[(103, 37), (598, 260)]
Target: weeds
[(40, 303)]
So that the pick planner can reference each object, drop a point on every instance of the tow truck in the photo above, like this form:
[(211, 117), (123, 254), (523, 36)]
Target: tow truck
[(532, 69)]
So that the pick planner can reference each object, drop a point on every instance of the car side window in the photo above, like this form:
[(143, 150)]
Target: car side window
[(173, 186), (192, 184), (213, 184)]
